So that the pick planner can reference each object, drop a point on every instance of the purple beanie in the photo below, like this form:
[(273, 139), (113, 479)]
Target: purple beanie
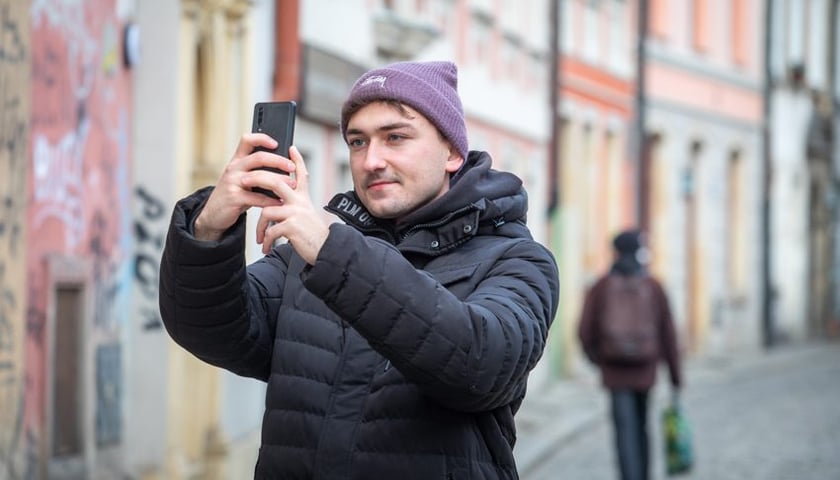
[(431, 88)]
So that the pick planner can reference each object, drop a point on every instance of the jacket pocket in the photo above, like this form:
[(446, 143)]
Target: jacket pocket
[(455, 275)]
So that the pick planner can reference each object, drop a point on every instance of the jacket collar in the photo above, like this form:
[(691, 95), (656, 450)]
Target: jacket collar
[(480, 200)]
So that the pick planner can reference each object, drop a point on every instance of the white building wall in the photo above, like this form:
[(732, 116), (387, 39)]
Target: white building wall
[(344, 28), (732, 325), (155, 137), (789, 206), (160, 180), (800, 38), (243, 399)]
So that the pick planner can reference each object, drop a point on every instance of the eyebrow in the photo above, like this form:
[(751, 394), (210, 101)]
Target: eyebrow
[(384, 128)]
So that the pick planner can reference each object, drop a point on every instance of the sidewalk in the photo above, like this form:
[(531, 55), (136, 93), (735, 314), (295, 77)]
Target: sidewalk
[(553, 415), (558, 412)]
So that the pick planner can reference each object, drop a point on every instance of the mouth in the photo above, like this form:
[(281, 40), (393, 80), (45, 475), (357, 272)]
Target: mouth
[(379, 184)]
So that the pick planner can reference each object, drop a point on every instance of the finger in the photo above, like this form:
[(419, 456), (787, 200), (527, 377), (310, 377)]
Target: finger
[(258, 199), (248, 142), (267, 245), (263, 224), (270, 236), (260, 235), (266, 179), (262, 158), (301, 173)]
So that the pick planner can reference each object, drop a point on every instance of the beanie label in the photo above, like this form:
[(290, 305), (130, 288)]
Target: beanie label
[(380, 79)]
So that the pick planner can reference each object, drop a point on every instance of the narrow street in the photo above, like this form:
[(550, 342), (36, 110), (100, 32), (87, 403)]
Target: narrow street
[(774, 418)]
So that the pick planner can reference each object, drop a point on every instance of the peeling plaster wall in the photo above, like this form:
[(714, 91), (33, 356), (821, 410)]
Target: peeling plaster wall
[(14, 125)]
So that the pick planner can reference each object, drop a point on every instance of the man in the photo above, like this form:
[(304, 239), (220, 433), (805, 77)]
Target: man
[(627, 339), (396, 344)]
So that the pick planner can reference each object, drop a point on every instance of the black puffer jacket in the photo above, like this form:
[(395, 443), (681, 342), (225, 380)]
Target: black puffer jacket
[(402, 353)]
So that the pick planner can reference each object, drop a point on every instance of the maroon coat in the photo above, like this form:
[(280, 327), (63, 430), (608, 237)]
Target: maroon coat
[(635, 377)]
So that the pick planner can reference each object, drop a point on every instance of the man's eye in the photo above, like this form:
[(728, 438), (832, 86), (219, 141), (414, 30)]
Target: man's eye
[(395, 137), (356, 142)]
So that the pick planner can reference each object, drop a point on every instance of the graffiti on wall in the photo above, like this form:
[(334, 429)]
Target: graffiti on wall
[(79, 187), (14, 114), (149, 233)]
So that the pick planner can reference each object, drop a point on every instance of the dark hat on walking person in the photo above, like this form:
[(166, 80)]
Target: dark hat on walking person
[(628, 242)]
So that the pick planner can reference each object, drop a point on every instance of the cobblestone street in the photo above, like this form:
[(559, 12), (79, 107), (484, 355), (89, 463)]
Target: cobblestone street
[(773, 418)]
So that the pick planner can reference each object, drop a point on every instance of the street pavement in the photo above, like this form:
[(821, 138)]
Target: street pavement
[(767, 415)]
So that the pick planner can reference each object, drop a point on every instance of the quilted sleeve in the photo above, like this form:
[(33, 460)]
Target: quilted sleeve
[(207, 303)]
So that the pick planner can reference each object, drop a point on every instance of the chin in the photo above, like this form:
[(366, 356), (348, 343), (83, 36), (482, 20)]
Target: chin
[(385, 213)]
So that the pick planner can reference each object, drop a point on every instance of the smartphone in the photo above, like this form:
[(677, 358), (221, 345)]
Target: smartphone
[(277, 120)]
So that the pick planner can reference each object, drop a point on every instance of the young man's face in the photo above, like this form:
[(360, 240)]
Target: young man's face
[(398, 160)]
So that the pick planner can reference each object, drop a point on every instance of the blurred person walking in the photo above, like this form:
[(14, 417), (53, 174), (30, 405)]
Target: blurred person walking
[(626, 329), (397, 343)]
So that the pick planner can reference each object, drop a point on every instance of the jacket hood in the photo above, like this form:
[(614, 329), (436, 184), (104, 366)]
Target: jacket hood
[(480, 196), (500, 194)]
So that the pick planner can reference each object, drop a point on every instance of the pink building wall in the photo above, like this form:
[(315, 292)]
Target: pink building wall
[(78, 206), (731, 42), (719, 97)]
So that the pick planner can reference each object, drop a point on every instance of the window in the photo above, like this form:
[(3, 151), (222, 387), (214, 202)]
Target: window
[(108, 395), (512, 58), (794, 27), (735, 225), (739, 32), (835, 23), (658, 13), (591, 32), (443, 14), (345, 176), (816, 51), (481, 34), (568, 30), (701, 37), (619, 38), (587, 182)]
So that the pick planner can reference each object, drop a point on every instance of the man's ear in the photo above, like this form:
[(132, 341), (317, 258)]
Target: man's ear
[(454, 161)]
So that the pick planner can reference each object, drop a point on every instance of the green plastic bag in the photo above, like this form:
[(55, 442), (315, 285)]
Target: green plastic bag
[(679, 453)]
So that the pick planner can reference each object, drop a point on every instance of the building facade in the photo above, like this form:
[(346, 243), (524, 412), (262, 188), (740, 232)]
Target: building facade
[(74, 151), (597, 84), (203, 66), (802, 101), (702, 156), (710, 124)]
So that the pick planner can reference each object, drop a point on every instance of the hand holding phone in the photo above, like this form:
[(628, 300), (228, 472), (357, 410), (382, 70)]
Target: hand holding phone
[(277, 120)]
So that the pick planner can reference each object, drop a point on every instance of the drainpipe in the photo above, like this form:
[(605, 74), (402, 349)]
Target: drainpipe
[(767, 284), (641, 141), (834, 254), (554, 159)]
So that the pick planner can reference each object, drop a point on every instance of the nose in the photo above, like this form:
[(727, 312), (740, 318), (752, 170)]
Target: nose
[(374, 156)]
